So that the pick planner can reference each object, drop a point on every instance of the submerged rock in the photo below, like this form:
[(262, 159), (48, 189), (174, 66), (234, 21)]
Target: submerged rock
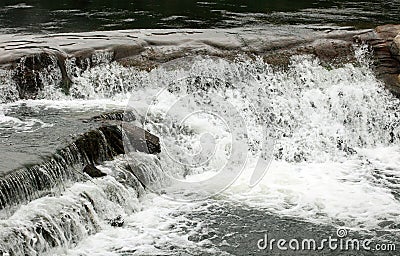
[(93, 172), (118, 115)]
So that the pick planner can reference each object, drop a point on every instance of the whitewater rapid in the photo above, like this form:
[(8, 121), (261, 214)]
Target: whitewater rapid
[(334, 159)]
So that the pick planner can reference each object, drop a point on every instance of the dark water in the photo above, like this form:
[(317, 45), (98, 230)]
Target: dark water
[(236, 230), (47, 16)]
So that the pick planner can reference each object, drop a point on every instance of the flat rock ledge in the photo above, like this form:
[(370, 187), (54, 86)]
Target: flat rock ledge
[(34, 58), (66, 164)]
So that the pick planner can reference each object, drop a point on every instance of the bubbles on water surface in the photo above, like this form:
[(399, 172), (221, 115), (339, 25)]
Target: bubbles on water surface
[(327, 124), (203, 126)]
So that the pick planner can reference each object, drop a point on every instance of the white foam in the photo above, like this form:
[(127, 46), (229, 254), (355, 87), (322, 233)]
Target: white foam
[(328, 121), (66, 216), (19, 6), (156, 230), (335, 156), (18, 125), (329, 193)]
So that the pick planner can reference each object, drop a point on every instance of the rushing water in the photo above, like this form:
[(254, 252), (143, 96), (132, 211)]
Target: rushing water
[(335, 161), (329, 136), (34, 16)]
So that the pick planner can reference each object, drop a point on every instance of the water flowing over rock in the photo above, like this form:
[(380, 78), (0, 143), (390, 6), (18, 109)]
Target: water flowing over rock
[(75, 208), (385, 42), (91, 148), (57, 60), (64, 220), (33, 72), (126, 116), (329, 114)]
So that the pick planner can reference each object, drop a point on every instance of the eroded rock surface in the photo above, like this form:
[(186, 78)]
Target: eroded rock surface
[(38, 61), (385, 42), (89, 149)]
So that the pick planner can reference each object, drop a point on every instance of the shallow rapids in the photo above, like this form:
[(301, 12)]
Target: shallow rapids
[(333, 153)]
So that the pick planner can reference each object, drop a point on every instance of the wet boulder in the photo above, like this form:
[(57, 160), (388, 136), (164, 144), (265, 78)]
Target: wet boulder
[(33, 72), (119, 115), (108, 141), (395, 47), (138, 139), (93, 172), (384, 42), (88, 149), (333, 49)]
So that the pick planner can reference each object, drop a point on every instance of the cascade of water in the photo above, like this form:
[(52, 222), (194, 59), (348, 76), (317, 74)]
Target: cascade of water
[(63, 219), (313, 109), (320, 115), (31, 182)]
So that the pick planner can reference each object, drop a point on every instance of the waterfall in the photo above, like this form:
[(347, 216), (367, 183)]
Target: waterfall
[(318, 114)]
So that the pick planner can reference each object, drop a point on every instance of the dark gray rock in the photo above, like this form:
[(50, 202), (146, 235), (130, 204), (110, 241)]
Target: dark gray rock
[(93, 172), (91, 148), (28, 71), (127, 116), (140, 140)]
